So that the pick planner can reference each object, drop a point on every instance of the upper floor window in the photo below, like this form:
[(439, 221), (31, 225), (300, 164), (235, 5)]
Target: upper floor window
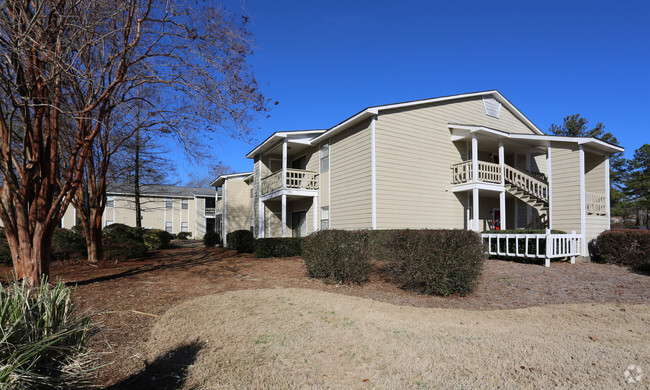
[(169, 203), (325, 157), (184, 204), (110, 201)]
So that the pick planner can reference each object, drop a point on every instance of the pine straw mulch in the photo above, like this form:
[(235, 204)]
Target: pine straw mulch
[(129, 296)]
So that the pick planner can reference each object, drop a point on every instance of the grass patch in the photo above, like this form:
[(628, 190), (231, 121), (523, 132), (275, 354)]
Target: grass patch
[(307, 339)]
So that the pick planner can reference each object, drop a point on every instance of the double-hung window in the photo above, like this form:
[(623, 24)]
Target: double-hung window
[(325, 157), (324, 218)]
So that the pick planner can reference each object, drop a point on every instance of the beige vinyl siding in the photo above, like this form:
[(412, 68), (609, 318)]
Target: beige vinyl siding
[(350, 203), (596, 224), (238, 205), (595, 173), (198, 230), (565, 179), (414, 153), (538, 163)]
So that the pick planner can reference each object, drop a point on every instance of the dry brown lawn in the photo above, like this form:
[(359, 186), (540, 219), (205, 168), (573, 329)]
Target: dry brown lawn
[(301, 338)]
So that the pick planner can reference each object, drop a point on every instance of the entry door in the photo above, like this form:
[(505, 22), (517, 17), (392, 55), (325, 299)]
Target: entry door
[(299, 224)]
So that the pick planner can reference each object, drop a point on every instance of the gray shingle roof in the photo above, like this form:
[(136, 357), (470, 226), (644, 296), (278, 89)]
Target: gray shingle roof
[(161, 190)]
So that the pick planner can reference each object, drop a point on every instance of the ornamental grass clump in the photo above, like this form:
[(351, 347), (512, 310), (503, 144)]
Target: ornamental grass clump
[(42, 339)]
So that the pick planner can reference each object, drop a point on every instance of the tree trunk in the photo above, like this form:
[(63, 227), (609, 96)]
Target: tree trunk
[(32, 259), (96, 250), (136, 180)]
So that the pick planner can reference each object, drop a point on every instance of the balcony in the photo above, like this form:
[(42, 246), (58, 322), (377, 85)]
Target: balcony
[(297, 179), (210, 211)]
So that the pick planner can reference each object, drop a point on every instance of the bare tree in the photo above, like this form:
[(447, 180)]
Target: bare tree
[(76, 62), (204, 178)]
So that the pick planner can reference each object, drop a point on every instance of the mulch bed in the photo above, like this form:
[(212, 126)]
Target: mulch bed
[(128, 296)]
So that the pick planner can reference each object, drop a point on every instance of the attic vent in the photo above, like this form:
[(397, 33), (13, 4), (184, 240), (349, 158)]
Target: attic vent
[(492, 106)]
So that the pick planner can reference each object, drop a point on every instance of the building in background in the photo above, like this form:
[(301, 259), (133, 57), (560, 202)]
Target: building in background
[(234, 203), (171, 208)]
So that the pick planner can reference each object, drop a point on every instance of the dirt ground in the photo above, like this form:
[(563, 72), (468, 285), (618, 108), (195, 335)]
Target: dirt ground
[(128, 297)]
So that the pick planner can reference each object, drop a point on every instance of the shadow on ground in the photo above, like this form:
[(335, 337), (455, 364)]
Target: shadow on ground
[(166, 372)]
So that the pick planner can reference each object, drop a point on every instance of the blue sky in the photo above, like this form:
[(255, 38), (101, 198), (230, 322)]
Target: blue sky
[(326, 60)]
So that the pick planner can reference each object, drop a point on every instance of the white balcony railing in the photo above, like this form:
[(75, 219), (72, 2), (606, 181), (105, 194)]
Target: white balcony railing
[(596, 203), (210, 211), (542, 246), (487, 172), (296, 179)]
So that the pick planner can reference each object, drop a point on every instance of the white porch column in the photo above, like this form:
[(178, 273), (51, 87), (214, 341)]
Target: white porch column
[(502, 195), (607, 187), (475, 158), (260, 205), (284, 215), (583, 206), (315, 212), (475, 207), (529, 209), (284, 164), (550, 185)]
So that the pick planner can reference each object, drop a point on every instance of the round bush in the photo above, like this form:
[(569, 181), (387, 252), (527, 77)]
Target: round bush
[(211, 239), (242, 241), (627, 247), (156, 239), (340, 256)]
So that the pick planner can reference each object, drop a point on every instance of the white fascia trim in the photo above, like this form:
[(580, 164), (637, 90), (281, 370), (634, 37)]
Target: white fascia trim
[(480, 186), (289, 192), (280, 135), (516, 136), (222, 178), (369, 112), (497, 95)]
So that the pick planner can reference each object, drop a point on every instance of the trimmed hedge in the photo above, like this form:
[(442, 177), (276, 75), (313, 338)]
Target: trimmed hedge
[(338, 255), (68, 245), (122, 242), (156, 239), (211, 239), (436, 262), (278, 247), (242, 241), (628, 247), (184, 235)]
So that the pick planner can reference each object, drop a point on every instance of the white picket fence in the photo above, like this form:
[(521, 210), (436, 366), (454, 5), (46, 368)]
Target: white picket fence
[(552, 246)]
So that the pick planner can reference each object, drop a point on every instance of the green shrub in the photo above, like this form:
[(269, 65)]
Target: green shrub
[(156, 239), (121, 232), (184, 235), (338, 255), (124, 249), (241, 240), (628, 247), (67, 245), (42, 340), (278, 247), (211, 239), (437, 262)]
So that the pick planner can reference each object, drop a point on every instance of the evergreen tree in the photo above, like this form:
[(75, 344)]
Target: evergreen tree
[(637, 185)]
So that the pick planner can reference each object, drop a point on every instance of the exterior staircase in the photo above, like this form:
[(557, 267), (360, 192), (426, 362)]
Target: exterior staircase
[(530, 190)]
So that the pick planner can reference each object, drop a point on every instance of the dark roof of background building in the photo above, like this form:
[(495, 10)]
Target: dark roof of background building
[(160, 190)]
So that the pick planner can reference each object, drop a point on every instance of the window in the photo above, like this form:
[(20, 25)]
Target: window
[(185, 227), (109, 223), (169, 203), (325, 157), (168, 226), (324, 218), (110, 201), (184, 204)]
